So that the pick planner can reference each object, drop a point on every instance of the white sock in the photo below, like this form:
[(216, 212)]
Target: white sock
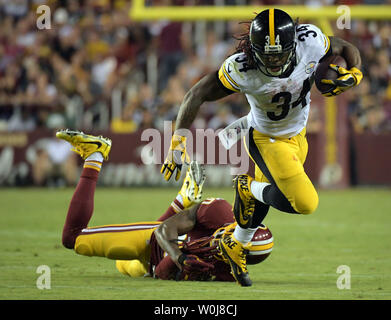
[(244, 235), (257, 189), (179, 198), (94, 161), (96, 156)]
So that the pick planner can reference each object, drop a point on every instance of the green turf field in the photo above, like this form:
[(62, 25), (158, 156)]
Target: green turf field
[(351, 228)]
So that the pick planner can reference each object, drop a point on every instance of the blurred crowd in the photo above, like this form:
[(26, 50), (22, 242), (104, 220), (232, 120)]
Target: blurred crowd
[(96, 68), (370, 103)]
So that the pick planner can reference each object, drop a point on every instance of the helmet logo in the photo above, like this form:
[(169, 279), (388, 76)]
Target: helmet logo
[(277, 48)]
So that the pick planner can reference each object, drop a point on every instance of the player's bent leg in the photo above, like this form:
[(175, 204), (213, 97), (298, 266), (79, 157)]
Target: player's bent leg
[(301, 193), (119, 242), (295, 195), (280, 161), (80, 208), (93, 150)]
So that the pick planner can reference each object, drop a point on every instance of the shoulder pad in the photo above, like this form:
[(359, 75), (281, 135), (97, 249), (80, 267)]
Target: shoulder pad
[(313, 38)]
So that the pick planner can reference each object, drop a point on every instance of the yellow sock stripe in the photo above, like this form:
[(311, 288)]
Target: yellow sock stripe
[(271, 27), (92, 167), (93, 161)]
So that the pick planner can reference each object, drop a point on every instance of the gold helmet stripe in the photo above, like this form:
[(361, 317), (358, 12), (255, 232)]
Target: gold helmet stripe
[(271, 27)]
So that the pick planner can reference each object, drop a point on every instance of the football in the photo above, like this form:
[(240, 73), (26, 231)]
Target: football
[(323, 71), (261, 245)]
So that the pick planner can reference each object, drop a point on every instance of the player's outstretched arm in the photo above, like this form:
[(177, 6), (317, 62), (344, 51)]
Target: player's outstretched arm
[(167, 233), (209, 88)]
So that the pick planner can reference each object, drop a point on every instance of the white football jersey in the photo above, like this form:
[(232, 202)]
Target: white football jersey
[(279, 106)]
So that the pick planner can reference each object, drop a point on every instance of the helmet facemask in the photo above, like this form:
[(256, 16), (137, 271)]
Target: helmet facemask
[(272, 38), (273, 61)]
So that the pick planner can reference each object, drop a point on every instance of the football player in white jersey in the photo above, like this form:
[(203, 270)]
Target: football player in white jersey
[(274, 68)]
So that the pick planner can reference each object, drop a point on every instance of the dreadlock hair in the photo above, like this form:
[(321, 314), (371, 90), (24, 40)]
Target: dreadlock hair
[(244, 44)]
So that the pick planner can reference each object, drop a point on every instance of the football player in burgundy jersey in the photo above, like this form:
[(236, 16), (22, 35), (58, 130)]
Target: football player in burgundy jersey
[(153, 247)]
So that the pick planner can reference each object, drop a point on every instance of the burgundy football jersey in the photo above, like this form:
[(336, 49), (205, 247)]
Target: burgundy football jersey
[(213, 213)]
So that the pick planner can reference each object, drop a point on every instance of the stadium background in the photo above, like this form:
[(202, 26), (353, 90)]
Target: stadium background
[(116, 68), (108, 67)]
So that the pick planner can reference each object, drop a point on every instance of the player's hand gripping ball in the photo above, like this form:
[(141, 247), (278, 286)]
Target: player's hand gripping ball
[(332, 78)]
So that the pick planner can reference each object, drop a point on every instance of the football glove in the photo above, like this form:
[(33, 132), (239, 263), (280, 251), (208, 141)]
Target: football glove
[(176, 157), (346, 80), (191, 263), (201, 248), (193, 268)]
